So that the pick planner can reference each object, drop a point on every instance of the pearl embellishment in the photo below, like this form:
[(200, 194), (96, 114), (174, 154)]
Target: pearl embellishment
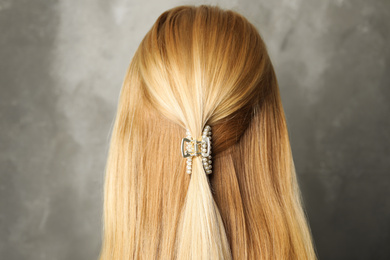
[(191, 148)]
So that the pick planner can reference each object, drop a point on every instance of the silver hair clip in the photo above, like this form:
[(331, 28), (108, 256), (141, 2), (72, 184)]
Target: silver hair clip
[(191, 147)]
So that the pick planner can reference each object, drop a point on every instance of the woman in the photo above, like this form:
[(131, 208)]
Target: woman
[(202, 69)]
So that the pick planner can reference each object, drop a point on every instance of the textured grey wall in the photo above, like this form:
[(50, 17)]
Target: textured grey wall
[(61, 68)]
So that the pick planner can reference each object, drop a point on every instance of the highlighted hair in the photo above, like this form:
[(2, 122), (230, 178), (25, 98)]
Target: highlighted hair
[(197, 66)]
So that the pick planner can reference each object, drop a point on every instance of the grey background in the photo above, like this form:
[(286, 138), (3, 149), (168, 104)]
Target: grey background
[(61, 68)]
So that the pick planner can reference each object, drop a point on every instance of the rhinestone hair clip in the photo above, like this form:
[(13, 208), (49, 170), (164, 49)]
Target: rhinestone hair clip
[(191, 147)]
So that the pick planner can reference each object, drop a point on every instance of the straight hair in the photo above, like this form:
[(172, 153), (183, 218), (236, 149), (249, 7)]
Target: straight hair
[(202, 65)]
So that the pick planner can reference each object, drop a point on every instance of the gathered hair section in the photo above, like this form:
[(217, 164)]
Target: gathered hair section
[(201, 231), (201, 70)]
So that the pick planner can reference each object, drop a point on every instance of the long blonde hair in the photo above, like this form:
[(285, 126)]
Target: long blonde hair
[(202, 65)]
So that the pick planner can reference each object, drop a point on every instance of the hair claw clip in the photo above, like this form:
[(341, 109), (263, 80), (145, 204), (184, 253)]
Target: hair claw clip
[(191, 147)]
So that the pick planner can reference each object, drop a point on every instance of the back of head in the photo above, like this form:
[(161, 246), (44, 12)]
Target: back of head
[(197, 66)]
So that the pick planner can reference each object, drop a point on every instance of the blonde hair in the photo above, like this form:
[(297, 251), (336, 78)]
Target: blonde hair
[(202, 65)]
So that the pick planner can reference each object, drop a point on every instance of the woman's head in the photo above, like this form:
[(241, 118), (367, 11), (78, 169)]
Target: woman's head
[(196, 66)]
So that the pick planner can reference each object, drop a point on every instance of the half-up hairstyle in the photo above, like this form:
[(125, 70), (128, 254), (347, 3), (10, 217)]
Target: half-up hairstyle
[(202, 65)]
